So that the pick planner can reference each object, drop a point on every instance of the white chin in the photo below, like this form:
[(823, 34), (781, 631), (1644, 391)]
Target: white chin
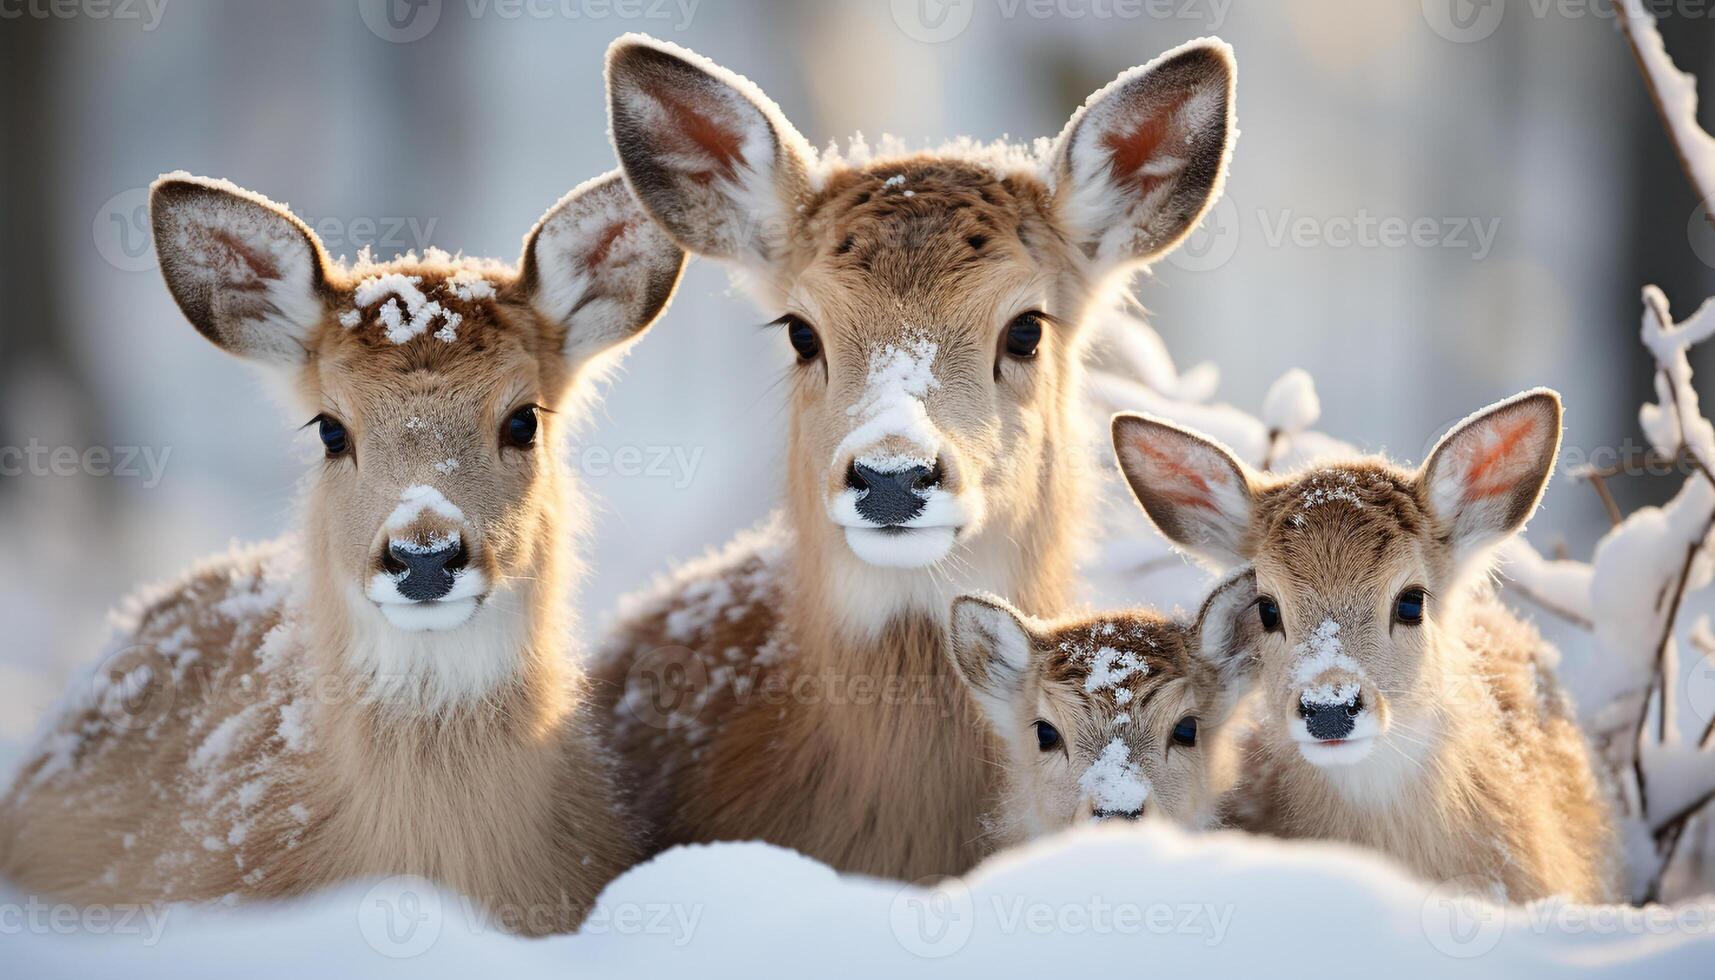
[(421, 617), (1338, 754), (906, 548)]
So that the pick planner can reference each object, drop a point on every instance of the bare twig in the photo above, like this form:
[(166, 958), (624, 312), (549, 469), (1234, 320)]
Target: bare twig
[(1550, 607), (1600, 482)]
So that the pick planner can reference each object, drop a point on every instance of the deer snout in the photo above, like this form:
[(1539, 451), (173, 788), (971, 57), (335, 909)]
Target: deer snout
[(1331, 720), (1101, 814), (891, 497), (425, 572)]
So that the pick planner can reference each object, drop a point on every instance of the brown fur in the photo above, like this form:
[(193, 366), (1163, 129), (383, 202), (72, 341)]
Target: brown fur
[(932, 256), (258, 729), (1465, 759)]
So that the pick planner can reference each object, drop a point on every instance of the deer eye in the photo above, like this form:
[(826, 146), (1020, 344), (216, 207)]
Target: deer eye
[(521, 427), (1023, 335), (1047, 736), (1185, 733), (803, 337), (333, 435), (1269, 613), (1408, 608)]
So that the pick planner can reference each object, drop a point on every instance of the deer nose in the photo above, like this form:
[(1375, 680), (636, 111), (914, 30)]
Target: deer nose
[(1136, 814), (1331, 721), (891, 497), (425, 573)]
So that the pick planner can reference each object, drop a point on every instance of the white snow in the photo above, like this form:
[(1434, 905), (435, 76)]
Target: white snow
[(1110, 667), (416, 500), (1113, 781), (1291, 405), (421, 310), (900, 377), (1319, 653), (1677, 91)]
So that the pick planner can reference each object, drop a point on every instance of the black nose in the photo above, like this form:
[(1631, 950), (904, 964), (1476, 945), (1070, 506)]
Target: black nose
[(426, 574), (1329, 722), (1119, 814), (894, 497)]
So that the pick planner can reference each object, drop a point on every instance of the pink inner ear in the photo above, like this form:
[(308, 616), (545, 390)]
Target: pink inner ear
[(1493, 466), (1130, 152), (604, 244), (720, 144), (1176, 480), (258, 265)]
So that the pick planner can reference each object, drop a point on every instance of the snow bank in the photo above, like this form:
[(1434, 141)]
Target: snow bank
[(1123, 900)]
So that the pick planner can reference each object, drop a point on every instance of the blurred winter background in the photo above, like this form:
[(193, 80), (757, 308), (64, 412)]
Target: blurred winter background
[(1432, 205)]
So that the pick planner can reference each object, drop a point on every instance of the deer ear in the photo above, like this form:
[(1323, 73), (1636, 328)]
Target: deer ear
[(1192, 487), (247, 274), (1485, 477), (1228, 631), (1136, 168), (992, 646), (599, 268), (709, 155)]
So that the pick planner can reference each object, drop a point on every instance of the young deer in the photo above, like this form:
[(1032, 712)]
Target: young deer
[(1401, 706), (936, 305), (1120, 715), (393, 690)]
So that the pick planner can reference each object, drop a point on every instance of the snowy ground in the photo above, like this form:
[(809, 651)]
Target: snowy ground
[(1131, 900)]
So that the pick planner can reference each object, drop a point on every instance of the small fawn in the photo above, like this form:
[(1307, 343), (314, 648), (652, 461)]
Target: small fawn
[(1121, 715), (1400, 705), (937, 307), (392, 690)]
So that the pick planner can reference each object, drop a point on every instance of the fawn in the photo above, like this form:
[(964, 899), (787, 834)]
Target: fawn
[(1400, 705), (936, 304), (1116, 716), (393, 689)]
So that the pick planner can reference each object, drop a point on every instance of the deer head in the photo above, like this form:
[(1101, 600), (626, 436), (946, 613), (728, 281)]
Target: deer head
[(1116, 716), (1360, 566), (433, 382), (934, 302)]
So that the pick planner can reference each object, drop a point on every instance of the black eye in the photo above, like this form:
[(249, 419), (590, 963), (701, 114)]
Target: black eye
[(1408, 608), (803, 337), (1023, 334), (521, 427), (1047, 736), (333, 436), (1269, 613), (1185, 733)]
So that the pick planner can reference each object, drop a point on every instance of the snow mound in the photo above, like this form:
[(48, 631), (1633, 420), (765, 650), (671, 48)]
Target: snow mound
[(1104, 899)]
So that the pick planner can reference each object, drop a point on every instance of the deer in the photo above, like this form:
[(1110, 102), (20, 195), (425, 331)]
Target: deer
[(1118, 716), (1399, 705), (394, 688), (793, 686)]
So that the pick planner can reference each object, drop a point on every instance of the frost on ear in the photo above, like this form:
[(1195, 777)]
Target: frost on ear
[(991, 648), (1228, 630), (598, 267), (1485, 477), (247, 274), (1191, 487), (1137, 167), (710, 156)]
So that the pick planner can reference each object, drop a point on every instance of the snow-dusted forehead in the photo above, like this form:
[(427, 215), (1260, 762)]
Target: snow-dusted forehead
[(398, 302)]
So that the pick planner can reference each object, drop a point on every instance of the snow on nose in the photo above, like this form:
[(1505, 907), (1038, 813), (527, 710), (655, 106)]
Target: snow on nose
[(1113, 782)]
